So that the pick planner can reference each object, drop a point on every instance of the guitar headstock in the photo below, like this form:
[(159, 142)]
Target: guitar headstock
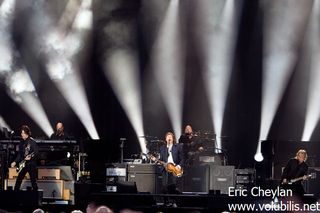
[(312, 175), (150, 156)]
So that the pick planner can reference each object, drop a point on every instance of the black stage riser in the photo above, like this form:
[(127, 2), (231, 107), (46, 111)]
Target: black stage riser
[(20, 198)]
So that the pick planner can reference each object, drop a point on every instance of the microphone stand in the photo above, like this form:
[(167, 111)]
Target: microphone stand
[(122, 140), (224, 154), (5, 169)]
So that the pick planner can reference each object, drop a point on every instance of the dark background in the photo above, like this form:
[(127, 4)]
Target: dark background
[(242, 114)]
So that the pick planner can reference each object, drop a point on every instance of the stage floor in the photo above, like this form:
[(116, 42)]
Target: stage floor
[(27, 201)]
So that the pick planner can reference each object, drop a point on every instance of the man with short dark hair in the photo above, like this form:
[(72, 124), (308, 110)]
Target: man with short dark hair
[(26, 159)]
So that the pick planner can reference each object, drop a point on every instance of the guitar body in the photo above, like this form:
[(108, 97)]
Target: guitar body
[(170, 167), (175, 170), (22, 164)]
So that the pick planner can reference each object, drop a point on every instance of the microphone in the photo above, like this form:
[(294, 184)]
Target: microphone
[(12, 132)]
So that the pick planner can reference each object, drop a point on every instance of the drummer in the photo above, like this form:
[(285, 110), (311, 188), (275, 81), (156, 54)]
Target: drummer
[(192, 145)]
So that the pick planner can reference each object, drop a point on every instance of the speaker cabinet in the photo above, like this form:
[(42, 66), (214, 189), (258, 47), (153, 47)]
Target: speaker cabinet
[(196, 179), (144, 182), (52, 189), (146, 177), (313, 185), (2, 168), (13, 174), (221, 178)]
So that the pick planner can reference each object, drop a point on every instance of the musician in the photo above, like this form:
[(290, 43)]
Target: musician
[(59, 134), (296, 168), (28, 151), (171, 152), (192, 145)]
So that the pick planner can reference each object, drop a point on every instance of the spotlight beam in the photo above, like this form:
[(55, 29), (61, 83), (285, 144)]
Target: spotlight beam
[(167, 59), (19, 84), (122, 71), (218, 43), (62, 48), (6, 17), (283, 31), (73, 91), (3, 123), (313, 102)]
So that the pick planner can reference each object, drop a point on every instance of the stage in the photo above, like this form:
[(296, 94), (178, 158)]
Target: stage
[(27, 201)]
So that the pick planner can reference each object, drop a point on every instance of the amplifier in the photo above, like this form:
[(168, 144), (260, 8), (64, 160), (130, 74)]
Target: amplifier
[(244, 176), (143, 168), (13, 174), (122, 187), (245, 171), (52, 189), (243, 179), (216, 159), (49, 174), (116, 170)]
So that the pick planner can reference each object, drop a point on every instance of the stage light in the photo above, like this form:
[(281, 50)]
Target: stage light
[(313, 101), (283, 30), (258, 157), (167, 57), (219, 27)]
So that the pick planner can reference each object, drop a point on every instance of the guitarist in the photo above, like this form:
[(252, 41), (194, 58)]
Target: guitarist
[(295, 168), (171, 152), (28, 150)]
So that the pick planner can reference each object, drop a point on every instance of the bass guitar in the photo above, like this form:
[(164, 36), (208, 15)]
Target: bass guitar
[(310, 176), (22, 164), (176, 170)]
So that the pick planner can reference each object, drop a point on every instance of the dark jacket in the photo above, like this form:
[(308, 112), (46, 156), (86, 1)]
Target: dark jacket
[(294, 170), (177, 154), (27, 147)]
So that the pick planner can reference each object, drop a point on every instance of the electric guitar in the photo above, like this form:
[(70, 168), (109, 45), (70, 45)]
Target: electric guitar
[(310, 176), (177, 171), (22, 164)]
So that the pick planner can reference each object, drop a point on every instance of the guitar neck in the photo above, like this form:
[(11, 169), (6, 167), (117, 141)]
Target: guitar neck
[(161, 162), (299, 178), (296, 179)]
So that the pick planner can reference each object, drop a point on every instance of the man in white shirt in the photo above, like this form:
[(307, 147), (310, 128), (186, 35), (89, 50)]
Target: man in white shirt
[(172, 153)]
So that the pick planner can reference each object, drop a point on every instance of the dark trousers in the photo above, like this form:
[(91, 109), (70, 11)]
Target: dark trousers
[(32, 170), (297, 189), (170, 183)]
